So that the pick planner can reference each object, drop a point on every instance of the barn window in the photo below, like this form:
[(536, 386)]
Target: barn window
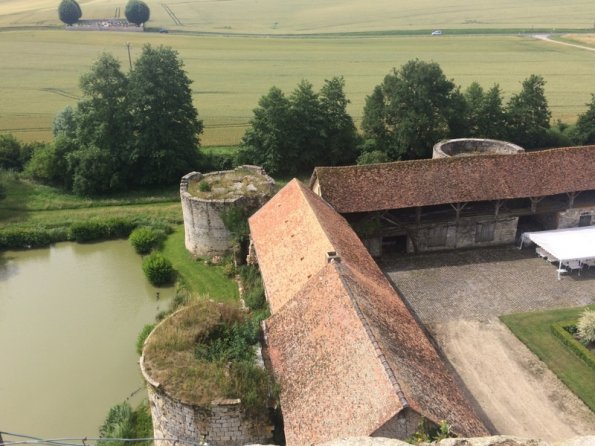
[(585, 220)]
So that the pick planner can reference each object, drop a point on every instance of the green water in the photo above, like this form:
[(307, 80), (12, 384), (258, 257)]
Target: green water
[(69, 318)]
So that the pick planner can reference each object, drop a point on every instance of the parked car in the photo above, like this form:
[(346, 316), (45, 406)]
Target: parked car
[(437, 32)]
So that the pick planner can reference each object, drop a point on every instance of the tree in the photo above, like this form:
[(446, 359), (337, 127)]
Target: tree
[(341, 137), (102, 130), (485, 115), (69, 11), (65, 123), (528, 115), (137, 12), (584, 132), (306, 128), (266, 141), (165, 124), (411, 110), (292, 135)]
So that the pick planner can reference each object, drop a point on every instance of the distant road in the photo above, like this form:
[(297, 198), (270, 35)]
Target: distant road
[(546, 37)]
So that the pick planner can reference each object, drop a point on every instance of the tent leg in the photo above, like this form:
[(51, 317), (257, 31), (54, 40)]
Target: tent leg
[(559, 268)]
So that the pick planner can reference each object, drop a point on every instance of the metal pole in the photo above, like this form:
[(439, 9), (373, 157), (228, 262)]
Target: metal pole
[(129, 58)]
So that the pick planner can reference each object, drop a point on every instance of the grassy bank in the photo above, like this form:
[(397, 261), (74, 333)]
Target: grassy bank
[(200, 278), (534, 330), (230, 73)]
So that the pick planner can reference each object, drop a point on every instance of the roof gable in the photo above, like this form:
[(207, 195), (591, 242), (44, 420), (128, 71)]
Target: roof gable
[(404, 184), (340, 337)]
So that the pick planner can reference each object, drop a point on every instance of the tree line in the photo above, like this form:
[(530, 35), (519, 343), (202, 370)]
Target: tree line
[(136, 11), (141, 129)]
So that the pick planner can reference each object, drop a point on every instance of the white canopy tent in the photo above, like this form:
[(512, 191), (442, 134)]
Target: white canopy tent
[(566, 245)]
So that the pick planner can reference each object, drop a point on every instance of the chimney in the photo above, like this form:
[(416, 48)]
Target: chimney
[(332, 256)]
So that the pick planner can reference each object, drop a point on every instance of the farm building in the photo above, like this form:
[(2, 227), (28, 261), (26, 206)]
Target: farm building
[(350, 357), (462, 201)]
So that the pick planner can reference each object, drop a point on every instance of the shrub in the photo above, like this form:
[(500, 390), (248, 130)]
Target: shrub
[(253, 288), (124, 422), (86, 231), (158, 269), (145, 239), (586, 326), (142, 336), (203, 186)]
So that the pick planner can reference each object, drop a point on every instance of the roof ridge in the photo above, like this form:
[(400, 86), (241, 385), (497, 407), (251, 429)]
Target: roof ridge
[(377, 349)]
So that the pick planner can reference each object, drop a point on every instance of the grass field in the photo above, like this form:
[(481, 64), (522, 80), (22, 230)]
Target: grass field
[(534, 330), (313, 16), (230, 74)]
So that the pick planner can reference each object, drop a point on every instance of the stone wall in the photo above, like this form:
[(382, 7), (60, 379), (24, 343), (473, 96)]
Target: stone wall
[(474, 146), (402, 425), (571, 217), (464, 234), (221, 424), (205, 233)]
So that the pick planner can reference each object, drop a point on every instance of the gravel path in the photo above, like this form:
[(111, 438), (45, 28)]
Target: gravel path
[(460, 294)]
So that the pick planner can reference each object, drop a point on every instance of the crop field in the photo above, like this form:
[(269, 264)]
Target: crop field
[(314, 16), (41, 68)]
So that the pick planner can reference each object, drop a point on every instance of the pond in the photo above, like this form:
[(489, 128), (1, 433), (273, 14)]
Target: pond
[(69, 319)]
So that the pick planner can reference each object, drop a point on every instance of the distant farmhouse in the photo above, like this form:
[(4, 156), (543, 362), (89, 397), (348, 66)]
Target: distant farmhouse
[(350, 356), (105, 25)]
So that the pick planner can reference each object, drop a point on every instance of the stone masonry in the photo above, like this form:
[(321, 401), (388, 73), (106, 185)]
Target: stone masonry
[(221, 424), (205, 232)]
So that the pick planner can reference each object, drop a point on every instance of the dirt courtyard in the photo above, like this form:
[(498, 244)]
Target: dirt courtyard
[(459, 295)]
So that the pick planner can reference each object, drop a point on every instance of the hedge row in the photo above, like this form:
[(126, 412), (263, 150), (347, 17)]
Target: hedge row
[(575, 346), (85, 231)]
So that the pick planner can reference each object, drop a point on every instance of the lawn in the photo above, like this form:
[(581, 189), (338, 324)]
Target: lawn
[(230, 74), (534, 330), (205, 280)]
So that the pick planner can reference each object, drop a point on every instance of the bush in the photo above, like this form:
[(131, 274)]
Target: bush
[(145, 239), (124, 422), (254, 297), (569, 341), (203, 186), (142, 336), (158, 269), (586, 326), (87, 231)]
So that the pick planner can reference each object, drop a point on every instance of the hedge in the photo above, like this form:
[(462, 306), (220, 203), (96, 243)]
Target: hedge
[(575, 346)]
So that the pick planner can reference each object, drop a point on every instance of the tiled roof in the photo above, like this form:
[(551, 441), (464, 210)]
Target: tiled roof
[(348, 353), (404, 184)]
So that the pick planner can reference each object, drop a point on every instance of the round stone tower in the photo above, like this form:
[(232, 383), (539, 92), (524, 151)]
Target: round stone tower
[(473, 147), (184, 393), (206, 197)]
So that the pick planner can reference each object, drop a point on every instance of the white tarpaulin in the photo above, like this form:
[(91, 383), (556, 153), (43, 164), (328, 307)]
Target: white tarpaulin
[(566, 244)]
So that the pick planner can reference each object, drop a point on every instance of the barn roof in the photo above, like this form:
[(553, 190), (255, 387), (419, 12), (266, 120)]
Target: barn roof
[(405, 184), (347, 351)]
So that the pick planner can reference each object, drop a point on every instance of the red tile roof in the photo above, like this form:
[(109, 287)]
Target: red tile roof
[(404, 184), (348, 353)]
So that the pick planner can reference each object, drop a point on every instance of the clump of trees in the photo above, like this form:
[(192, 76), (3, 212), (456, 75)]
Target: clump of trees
[(128, 130), (69, 11), (416, 106), (137, 12), (290, 134)]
